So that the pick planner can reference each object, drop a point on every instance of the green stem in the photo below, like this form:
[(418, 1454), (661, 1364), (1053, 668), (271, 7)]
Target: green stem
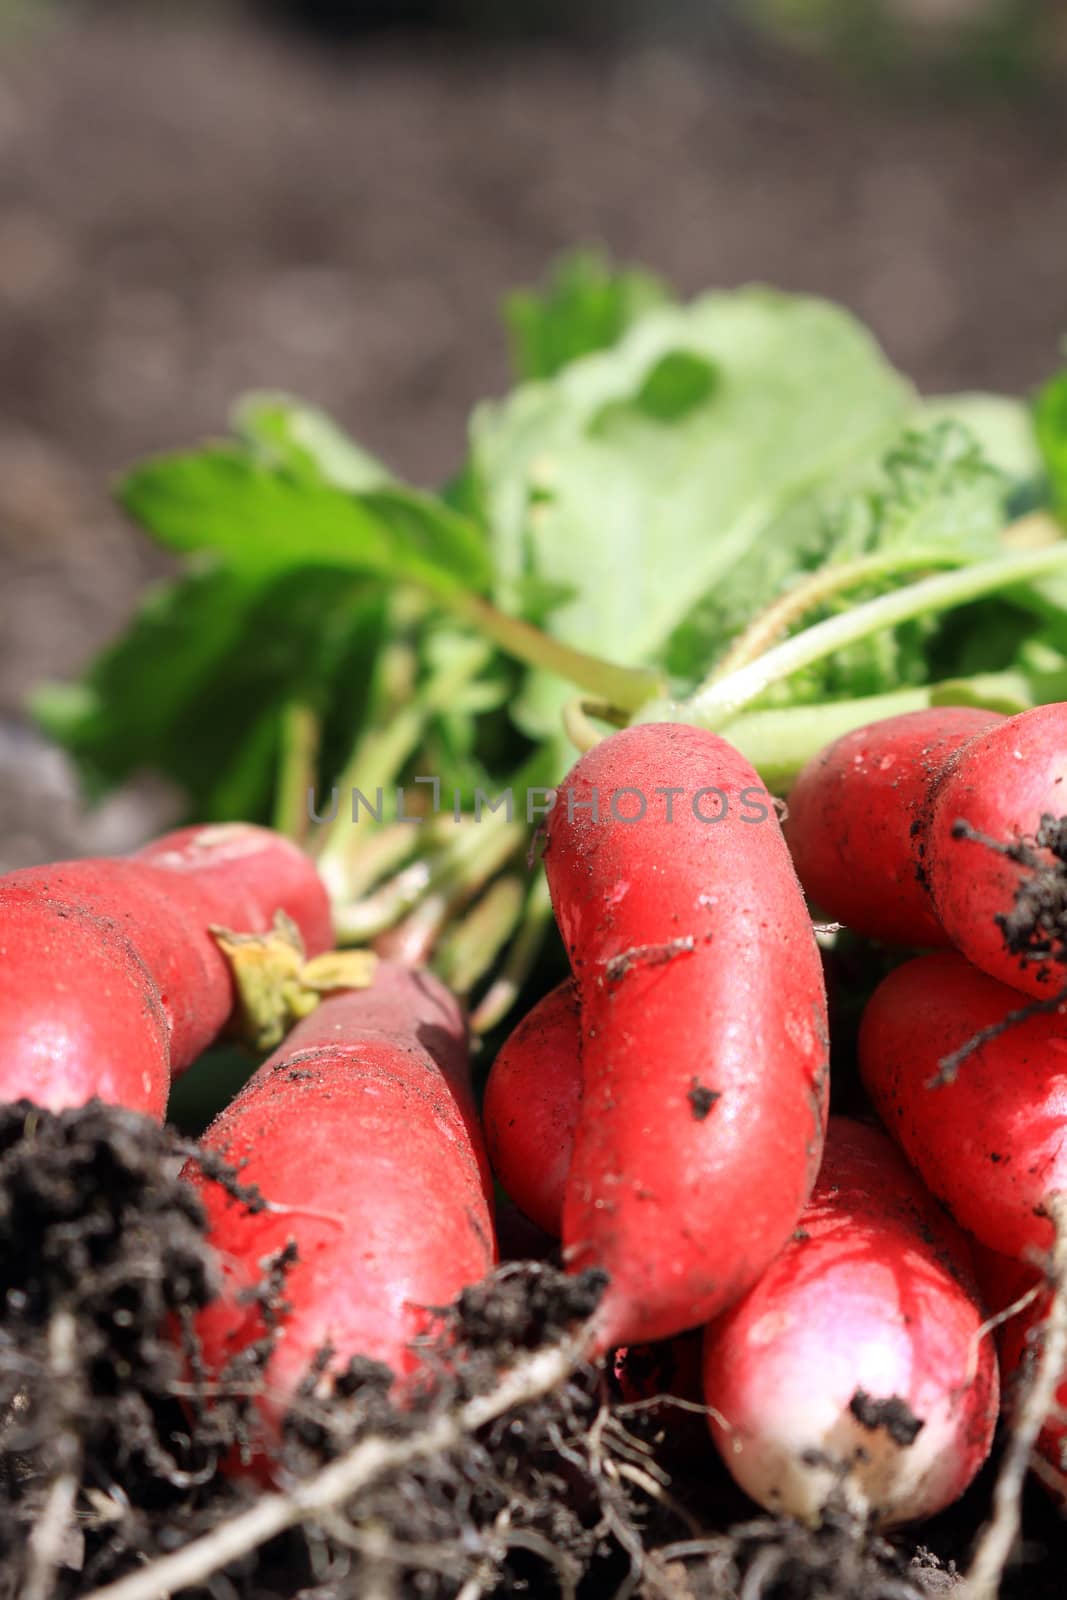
[(626, 687), (368, 918), (457, 876), (578, 725), (715, 702), (382, 753), (373, 856), (476, 940), (821, 586), (518, 964), (779, 743), (301, 731)]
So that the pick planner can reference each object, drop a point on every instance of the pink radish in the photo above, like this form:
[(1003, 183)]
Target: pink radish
[(857, 1366)]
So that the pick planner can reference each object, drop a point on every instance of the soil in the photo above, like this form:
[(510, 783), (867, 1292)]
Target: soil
[(601, 1486), (570, 1493)]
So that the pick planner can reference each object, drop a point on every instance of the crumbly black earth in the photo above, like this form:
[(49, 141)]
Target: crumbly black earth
[(103, 1266), (1035, 929)]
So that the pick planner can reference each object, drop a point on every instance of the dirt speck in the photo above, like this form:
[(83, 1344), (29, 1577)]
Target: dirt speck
[(701, 1099), (893, 1414)]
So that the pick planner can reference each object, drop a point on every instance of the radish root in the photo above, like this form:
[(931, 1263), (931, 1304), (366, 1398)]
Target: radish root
[(998, 1538), (326, 1491)]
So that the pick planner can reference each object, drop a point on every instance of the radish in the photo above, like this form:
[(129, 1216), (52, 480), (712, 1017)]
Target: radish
[(110, 978), (992, 1143), (853, 814), (360, 1134), (856, 1366), (1001, 786), (704, 1044), (531, 1107), (80, 1017)]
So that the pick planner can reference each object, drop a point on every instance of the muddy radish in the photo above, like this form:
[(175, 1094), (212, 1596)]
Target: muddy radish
[(1000, 787), (361, 1136), (857, 1364)]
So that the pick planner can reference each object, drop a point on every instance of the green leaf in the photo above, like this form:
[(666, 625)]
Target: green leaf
[(933, 495), (939, 494), (644, 477), (262, 521), (1002, 426), (1050, 421), (286, 433), (195, 687), (587, 305)]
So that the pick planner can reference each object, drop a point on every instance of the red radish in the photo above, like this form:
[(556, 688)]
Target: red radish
[(853, 813), (360, 1136), (531, 1107), (79, 1014), (857, 1360), (110, 979), (993, 1142), (704, 1047), (1001, 785)]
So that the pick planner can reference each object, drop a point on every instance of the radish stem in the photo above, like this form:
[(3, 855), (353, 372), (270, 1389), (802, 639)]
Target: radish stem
[(717, 700), (474, 943), (780, 741), (301, 731), (777, 618), (508, 984), (628, 687)]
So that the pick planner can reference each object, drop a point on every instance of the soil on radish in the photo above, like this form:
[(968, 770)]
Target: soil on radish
[(1035, 929), (103, 1263)]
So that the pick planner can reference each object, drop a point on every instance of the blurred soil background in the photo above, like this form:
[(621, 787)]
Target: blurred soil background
[(332, 199)]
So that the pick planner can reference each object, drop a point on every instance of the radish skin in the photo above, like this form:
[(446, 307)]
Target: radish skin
[(110, 979), (1001, 785), (993, 1142), (704, 1045), (79, 1014), (855, 810), (531, 1106), (358, 1132), (857, 1359)]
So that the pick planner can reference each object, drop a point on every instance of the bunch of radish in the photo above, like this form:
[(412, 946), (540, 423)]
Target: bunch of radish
[(664, 1112), (847, 1351)]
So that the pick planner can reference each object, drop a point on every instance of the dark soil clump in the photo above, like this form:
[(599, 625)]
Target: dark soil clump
[(112, 1442), (101, 1253)]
